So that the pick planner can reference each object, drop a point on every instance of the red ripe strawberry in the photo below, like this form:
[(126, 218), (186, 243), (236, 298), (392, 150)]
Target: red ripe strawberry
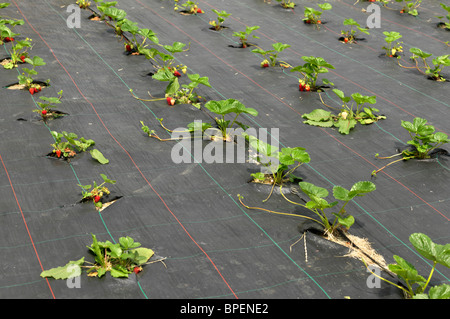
[(58, 153), (128, 48), (44, 112), (170, 101), (177, 74), (199, 10), (301, 87), (346, 40), (32, 91), (22, 58), (137, 270), (96, 199)]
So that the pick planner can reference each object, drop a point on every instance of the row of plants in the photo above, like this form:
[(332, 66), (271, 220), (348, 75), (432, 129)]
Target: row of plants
[(290, 159), (119, 259)]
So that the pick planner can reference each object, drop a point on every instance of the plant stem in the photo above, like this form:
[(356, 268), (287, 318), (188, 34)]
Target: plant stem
[(390, 282), (279, 213), (429, 277), (401, 159)]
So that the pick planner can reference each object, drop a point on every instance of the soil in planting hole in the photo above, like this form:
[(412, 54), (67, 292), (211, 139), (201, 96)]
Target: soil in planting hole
[(356, 40), (107, 200), (240, 46), (4, 61), (384, 56), (441, 25), (17, 86), (54, 114), (359, 248), (212, 28), (61, 158)]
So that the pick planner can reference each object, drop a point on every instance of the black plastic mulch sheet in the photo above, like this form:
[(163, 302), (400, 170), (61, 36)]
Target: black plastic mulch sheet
[(189, 213)]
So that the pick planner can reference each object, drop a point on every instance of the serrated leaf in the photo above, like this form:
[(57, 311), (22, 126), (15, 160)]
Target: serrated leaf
[(341, 193), (119, 272), (405, 270), (347, 221), (329, 123), (71, 269), (360, 188), (97, 155), (311, 189), (345, 125), (424, 245), (144, 254), (439, 292), (173, 87), (318, 115)]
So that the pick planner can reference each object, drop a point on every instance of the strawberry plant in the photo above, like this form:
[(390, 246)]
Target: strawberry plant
[(414, 285), (102, 5), (134, 45), (224, 129), (410, 6), (439, 63), (45, 108), (184, 94), (287, 4), (164, 60), (244, 35), (271, 56), (313, 16), (95, 192), (225, 107), (276, 163), (120, 260), (195, 126), (445, 25), (391, 47), (423, 141), (6, 34), (218, 23), (320, 206), (83, 4), (4, 5), (310, 71), (116, 15), (68, 148), (26, 78), (18, 53), (189, 7), (351, 36), (350, 114)]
